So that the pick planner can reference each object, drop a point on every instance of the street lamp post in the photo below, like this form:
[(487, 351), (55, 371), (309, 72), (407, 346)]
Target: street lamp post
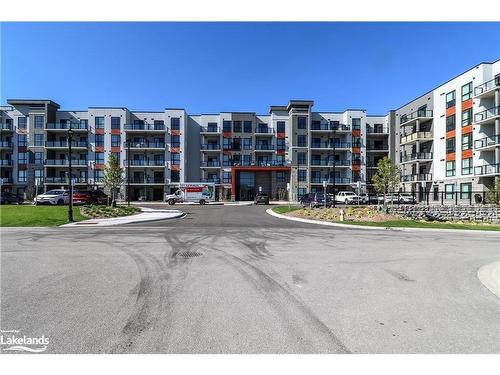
[(128, 172), (70, 176), (333, 168)]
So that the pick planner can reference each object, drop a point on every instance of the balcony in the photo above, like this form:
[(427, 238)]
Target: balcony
[(487, 116), (377, 148), (6, 127), (65, 144), (373, 131), (210, 164), (422, 115), (64, 180), (146, 145), (330, 127), (487, 89), (487, 143), (211, 180), (5, 144), (264, 131), (267, 163), (210, 130), (337, 181), (145, 128), (329, 163), (264, 147), (144, 163), (65, 162), (487, 170), (421, 156), (331, 145), (416, 177), (146, 181), (66, 126), (5, 162), (418, 136), (210, 147), (5, 180)]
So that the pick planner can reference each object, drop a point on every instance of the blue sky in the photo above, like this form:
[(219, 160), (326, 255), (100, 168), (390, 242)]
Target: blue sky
[(213, 67)]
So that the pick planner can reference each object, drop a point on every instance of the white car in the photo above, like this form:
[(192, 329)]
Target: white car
[(347, 197), (56, 196)]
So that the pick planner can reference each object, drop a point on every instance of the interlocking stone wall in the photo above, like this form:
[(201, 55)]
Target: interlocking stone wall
[(485, 213)]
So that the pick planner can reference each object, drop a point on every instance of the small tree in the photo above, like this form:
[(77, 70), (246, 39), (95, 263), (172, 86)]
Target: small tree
[(387, 177), (493, 193), (113, 177)]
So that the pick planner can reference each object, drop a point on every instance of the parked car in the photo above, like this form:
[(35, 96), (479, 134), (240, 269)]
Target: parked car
[(9, 198), (90, 197), (313, 200), (261, 198), (56, 196), (407, 198), (347, 197)]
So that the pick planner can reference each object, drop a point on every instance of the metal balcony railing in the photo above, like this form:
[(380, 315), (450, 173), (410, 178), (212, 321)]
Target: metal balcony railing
[(213, 163), (64, 180), (416, 177), (371, 130), (337, 180), (5, 162), (264, 146), (487, 114), (210, 129), (489, 169), (330, 145), (329, 163), (74, 162), (6, 144), (377, 147), (330, 127), (65, 144), (145, 145), (210, 146), (487, 86), (415, 115), (66, 126), (145, 127), (211, 180), (6, 180), (494, 140), (416, 156), (7, 127), (264, 130), (144, 163)]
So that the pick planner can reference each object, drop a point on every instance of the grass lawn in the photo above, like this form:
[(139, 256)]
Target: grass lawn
[(36, 216), (284, 209)]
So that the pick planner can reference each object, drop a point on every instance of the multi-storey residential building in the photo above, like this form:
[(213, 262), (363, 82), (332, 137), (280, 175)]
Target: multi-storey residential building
[(444, 141)]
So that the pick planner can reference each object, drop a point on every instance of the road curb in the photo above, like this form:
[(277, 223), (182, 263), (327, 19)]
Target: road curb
[(362, 227), (489, 275)]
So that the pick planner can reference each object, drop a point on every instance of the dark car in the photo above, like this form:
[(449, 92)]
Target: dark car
[(90, 197), (261, 198), (313, 200), (9, 198)]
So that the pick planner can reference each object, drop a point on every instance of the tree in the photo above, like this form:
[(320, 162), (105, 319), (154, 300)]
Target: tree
[(113, 177), (493, 193), (387, 177)]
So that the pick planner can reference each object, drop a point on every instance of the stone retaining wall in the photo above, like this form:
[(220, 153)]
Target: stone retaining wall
[(484, 213)]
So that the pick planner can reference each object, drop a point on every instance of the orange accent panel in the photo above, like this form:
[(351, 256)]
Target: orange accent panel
[(115, 131), (175, 132), (175, 150), (99, 131), (450, 111), (227, 152), (115, 149), (280, 135), (280, 152), (356, 150), (356, 133), (450, 156), (227, 134), (466, 154), (450, 134), (466, 104), (356, 167), (175, 167), (99, 149), (467, 129), (99, 166)]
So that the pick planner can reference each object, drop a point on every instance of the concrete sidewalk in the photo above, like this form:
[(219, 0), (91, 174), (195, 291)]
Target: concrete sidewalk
[(147, 214), (489, 275)]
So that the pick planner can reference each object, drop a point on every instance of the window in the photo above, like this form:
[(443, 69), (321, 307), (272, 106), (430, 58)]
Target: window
[(356, 123), (21, 122), (176, 159), (175, 123), (449, 190), (247, 126), (38, 139), (302, 174), (115, 140), (237, 126), (450, 123), (38, 157), (226, 177), (301, 192), (356, 141), (115, 123), (301, 158), (39, 175), (84, 124), (226, 143), (99, 157), (465, 190), (450, 145), (280, 144), (247, 143), (226, 126), (99, 122), (467, 141), (22, 158), (450, 99), (175, 141), (175, 176), (467, 117), (302, 141), (450, 168), (99, 140), (21, 175), (467, 91), (302, 122), (467, 166), (39, 122), (280, 159), (22, 140), (280, 126)]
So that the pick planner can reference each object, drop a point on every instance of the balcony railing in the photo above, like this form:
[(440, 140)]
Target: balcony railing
[(330, 127), (329, 163), (144, 163), (64, 180), (416, 136), (371, 130), (490, 169), (487, 86), (66, 126), (269, 163), (6, 144), (7, 127), (416, 177), (415, 115), (264, 147), (377, 147), (487, 114), (208, 164), (65, 144), (416, 156), (6, 180), (264, 130), (5, 162), (74, 162), (330, 145), (145, 127), (145, 144), (487, 141), (210, 129), (337, 180), (210, 146)]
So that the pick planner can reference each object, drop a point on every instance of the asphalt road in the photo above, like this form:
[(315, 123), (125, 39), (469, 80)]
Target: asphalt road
[(228, 279)]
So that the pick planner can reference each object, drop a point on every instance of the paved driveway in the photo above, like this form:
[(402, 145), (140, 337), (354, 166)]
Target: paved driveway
[(229, 279)]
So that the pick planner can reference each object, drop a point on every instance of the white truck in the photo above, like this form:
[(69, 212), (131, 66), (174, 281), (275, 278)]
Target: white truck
[(199, 192)]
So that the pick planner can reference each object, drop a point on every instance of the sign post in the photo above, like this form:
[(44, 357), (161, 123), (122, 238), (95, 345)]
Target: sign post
[(358, 185), (36, 190), (288, 193), (324, 189)]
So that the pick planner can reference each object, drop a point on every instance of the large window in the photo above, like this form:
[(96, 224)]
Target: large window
[(21, 175), (22, 158), (84, 124), (280, 126), (175, 176), (99, 157), (449, 190), (226, 126), (467, 91), (237, 127), (280, 144), (302, 175), (247, 126), (302, 122), (175, 159), (39, 139), (467, 141), (450, 99), (175, 141), (115, 122), (465, 190), (450, 123), (450, 145), (280, 176), (356, 123), (302, 141), (175, 123), (39, 122), (39, 176), (301, 158), (38, 157), (99, 140), (22, 140), (467, 166), (450, 168), (467, 117), (99, 122), (115, 140), (21, 122), (247, 143)]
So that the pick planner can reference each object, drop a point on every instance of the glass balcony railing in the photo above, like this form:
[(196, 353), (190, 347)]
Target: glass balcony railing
[(370, 147), (212, 180), (64, 180), (6, 180), (264, 130), (5, 162), (494, 140)]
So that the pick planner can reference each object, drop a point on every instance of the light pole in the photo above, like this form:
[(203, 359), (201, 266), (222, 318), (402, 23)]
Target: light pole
[(70, 176), (333, 167), (128, 172)]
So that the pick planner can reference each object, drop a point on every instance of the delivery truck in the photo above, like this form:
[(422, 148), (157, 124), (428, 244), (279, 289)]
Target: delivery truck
[(199, 192)]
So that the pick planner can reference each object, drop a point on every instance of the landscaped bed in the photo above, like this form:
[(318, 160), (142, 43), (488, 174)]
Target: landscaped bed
[(369, 216), (100, 212)]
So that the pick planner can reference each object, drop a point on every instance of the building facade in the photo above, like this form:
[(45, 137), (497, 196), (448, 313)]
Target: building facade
[(446, 140)]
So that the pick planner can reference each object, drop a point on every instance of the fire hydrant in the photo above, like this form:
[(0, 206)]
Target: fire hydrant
[(341, 215)]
